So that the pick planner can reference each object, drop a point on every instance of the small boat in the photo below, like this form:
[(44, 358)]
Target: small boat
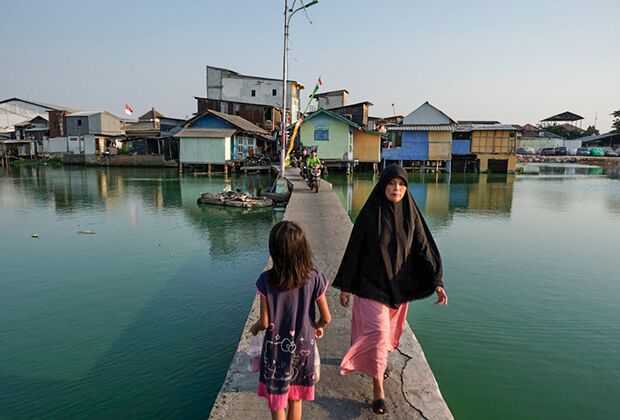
[(234, 199), (277, 197)]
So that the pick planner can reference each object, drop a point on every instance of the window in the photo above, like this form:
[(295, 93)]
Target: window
[(321, 134), (398, 139), (79, 122), (274, 92), (253, 92)]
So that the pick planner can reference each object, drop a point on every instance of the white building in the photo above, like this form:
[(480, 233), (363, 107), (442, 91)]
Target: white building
[(15, 111), (92, 133), (228, 85)]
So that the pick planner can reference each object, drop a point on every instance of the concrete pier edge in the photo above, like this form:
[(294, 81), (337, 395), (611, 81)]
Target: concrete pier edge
[(411, 389)]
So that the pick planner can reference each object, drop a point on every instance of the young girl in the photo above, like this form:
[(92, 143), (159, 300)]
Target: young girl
[(288, 293)]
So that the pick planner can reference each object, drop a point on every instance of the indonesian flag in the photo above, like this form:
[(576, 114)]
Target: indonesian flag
[(128, 110), (319, 83)]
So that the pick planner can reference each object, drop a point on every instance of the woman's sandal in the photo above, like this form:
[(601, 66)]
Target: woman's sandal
[(378, 406)]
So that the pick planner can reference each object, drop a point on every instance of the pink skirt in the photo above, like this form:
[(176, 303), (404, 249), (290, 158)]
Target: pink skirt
[(277, 402), (375, 331)]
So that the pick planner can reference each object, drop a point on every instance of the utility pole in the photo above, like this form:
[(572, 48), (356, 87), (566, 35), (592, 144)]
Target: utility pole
[(287, 19), (284, 87)]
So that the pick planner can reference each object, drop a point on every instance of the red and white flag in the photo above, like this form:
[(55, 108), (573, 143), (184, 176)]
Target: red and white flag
[(128, 110)]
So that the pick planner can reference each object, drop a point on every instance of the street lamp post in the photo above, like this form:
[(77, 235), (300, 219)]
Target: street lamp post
[(287, 19)]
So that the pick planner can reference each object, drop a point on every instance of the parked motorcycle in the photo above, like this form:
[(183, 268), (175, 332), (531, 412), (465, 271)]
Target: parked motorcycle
[(314, 177)]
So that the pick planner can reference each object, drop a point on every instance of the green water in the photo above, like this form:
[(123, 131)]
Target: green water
[(532, 329), (140, 319)]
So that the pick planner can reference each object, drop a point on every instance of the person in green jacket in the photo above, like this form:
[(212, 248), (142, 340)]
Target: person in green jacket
[(313, 160)]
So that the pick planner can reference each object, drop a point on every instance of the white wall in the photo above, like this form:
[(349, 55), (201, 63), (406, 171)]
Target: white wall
[(55, 145), (104, 123), (14, 112), (82, 145), (572, 144), (239, 88)]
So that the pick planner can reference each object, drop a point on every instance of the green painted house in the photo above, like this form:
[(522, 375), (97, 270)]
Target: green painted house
[(330, 133)]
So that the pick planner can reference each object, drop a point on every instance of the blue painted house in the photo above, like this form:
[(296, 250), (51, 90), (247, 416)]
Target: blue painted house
[(213, 137), (424, 137)]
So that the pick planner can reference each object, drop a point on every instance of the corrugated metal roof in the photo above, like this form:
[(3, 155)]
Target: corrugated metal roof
[(599, 136), (564, 116), (84, 113), (235, 120), (240, 122), (439, 127), (41, 104), (485, 127), (205, 132)]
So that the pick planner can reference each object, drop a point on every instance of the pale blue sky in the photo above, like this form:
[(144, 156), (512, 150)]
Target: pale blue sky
[(513, 61)]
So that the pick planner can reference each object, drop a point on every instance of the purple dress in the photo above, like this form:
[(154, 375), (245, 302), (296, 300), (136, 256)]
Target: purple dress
[(287, 356)]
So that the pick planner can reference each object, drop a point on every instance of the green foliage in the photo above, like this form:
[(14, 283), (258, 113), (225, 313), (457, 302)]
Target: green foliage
[(591, 130), (616, 122), (126, 149), (563, 132)]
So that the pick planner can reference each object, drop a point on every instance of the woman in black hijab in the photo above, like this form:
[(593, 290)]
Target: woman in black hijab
[(391, 259)]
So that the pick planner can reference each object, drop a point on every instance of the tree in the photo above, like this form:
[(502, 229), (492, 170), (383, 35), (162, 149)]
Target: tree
[(616, 123), (561, 131), (590, 131)]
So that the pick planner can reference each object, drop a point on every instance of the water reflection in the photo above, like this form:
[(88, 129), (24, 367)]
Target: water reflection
[(138, 298), (72, 190), (439, 196), (561, 169)]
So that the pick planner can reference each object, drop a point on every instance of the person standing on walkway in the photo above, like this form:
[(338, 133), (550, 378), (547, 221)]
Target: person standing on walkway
[(391, 259), (289, 293)]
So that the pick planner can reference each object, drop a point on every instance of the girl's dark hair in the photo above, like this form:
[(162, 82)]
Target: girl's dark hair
[(290, 254)]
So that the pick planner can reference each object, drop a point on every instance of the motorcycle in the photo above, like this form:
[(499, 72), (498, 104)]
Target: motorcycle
[(314, 177)]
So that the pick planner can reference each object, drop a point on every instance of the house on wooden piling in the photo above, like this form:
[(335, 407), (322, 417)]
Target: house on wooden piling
[(423, 141), (153, 134), (484, 148), (340, 142), (214, 138), (28, 138)]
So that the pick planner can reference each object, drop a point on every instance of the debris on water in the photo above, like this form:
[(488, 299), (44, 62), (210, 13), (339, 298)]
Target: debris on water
[(172, 254), (35, 235), (234, 199), (87, 232)]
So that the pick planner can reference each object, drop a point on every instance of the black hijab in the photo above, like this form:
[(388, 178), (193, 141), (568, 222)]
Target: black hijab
[(391, 256)]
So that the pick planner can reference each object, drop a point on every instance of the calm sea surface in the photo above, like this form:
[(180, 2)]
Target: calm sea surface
[(531, 266), (141, 318)]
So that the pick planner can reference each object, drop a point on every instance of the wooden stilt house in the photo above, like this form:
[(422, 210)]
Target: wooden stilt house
[(423, 141)]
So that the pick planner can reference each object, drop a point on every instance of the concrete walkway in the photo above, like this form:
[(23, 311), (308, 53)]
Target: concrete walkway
[(411, 389)]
